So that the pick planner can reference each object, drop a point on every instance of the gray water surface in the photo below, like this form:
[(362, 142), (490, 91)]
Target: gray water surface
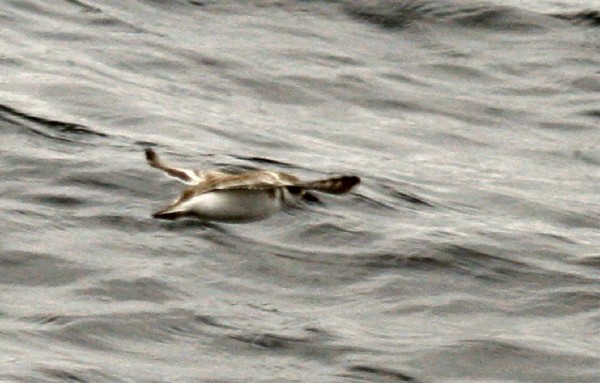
[(470, 252)]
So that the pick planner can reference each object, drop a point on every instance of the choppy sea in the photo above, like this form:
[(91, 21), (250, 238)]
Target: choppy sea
[(469, 253)]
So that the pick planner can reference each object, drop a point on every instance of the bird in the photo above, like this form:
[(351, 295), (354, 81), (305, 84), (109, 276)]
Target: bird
[(218, 196)]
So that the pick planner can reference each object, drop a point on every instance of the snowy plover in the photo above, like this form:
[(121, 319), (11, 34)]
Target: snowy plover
[(242, 197)]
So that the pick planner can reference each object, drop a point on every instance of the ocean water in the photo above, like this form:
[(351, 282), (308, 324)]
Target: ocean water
[(469, 253)]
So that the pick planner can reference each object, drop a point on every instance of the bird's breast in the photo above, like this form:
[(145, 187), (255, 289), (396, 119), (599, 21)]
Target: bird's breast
[(236, 205)]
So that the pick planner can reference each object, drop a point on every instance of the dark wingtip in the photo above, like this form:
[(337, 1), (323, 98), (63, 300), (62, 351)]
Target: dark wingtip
[(150, 154), (349, 182), (352, 180)]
